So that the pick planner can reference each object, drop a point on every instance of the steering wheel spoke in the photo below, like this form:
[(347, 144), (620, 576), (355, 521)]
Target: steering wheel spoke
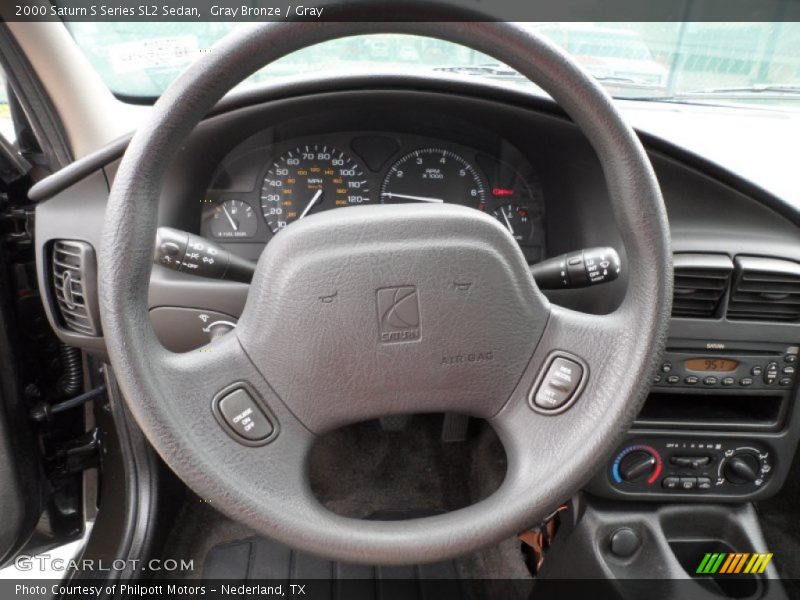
[(194, 389), (576, 385)]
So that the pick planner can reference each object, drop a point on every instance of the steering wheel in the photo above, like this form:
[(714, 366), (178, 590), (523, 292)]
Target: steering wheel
[(371, 311)]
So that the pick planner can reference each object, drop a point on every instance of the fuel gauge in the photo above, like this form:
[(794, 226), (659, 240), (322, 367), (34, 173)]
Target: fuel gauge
[(516, 220), (233, 219)]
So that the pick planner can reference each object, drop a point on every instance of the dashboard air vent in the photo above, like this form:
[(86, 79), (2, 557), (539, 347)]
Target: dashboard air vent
[(74, 271), (701, 281), (765, 289)]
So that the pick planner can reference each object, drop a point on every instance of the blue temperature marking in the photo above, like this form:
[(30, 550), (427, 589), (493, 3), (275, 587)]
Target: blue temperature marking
[(615, 471)]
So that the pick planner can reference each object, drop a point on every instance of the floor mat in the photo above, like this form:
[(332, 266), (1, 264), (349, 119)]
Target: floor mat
[(258, 558)]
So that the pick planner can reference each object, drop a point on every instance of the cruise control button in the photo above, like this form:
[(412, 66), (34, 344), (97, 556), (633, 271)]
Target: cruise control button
[(559, 384), (244, 417), (670, 483)]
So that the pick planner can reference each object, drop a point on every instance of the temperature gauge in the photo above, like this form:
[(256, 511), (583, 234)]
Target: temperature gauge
[(233, 219), (516, 220)]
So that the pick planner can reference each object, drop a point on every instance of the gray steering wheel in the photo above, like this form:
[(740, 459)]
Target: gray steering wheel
[(409, 285)]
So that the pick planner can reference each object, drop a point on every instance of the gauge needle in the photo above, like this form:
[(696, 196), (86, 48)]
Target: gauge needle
[(508, 223), (230, 219), (311, 204), (409, 197)]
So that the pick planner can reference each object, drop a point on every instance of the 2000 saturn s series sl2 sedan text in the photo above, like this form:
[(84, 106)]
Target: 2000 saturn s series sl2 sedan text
[(399, 300)]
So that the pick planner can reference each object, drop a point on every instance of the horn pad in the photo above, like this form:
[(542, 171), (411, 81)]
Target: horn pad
[(371, 311)]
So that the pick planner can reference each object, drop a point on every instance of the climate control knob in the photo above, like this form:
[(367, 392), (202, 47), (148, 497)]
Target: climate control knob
[(637, 465), (741, 468)]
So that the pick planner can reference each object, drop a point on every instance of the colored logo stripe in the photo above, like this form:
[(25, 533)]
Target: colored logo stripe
[(733, 562)]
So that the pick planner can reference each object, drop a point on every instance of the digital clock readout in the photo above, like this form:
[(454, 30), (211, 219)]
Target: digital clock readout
[(711, 364)]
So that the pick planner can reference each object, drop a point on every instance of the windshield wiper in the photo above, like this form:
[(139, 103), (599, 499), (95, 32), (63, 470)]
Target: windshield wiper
[(499, 71), (493, 71), (619, 80), (756, 88)]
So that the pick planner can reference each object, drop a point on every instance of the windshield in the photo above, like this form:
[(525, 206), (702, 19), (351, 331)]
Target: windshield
[(678, 62)]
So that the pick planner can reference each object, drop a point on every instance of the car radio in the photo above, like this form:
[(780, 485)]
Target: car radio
[(725, 365)]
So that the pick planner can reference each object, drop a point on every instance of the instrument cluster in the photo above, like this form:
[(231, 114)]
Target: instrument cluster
[(258, 191)]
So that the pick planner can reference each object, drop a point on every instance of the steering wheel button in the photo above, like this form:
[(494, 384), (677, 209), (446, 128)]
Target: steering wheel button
[(558, 386), (244, 417)]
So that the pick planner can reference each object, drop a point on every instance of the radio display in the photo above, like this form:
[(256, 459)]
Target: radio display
[(720, 365)]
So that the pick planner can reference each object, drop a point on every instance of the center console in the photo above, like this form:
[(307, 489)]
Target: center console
[(714, 427)]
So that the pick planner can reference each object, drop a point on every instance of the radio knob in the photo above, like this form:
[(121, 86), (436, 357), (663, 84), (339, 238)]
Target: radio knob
[(637, 465), (741, 468)]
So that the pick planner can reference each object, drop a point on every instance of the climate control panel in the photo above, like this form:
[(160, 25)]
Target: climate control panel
[(693, 466)]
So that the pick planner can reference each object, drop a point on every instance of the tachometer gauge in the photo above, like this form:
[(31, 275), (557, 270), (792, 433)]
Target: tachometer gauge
[(516, 220), (308, 179), (233, 219), (433, 175)]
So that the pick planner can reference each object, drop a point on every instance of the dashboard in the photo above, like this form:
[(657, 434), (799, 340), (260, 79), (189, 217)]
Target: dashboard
[(721, 422), (260, 188)]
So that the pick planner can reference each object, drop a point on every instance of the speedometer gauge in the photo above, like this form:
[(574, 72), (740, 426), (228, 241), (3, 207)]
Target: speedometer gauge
[(309, 179), (433, 175)]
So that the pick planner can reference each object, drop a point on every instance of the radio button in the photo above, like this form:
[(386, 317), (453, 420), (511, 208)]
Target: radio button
[(710, 380), (745, 381), (756, 371), (789, 370), (790, 358), (666, 367), (691, 380), (657, 379), (728, 381), (771, 373), (785, 382), (673, 379)]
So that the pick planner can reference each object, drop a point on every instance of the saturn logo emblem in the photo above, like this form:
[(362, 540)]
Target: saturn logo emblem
[(398, 313)]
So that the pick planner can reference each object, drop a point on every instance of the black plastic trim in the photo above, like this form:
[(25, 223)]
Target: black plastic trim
[(36, 103)]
